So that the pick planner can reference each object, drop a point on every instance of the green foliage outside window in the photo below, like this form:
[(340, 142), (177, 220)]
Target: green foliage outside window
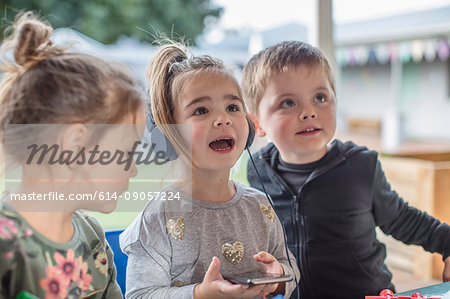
[(107, 20)]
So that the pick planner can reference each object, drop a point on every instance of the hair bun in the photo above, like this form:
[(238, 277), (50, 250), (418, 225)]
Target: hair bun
[(32, 39)]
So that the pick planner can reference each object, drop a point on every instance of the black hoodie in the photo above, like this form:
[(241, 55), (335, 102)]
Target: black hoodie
[(330, 222)]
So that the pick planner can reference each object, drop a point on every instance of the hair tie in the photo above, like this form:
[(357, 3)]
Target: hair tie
[(172, 67)]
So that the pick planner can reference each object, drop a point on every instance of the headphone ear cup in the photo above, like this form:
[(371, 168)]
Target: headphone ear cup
[(251, 133), (159, 140)]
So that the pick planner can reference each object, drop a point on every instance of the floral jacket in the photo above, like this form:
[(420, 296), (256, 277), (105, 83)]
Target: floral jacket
[(33, 265)]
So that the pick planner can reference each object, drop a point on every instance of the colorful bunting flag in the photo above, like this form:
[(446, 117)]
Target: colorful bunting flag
[(405, 51)]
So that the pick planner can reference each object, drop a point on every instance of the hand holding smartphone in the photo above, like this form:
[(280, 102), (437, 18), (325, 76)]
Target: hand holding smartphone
[(257, 278)]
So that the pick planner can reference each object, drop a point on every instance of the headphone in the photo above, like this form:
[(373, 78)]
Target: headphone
[(162, 144)]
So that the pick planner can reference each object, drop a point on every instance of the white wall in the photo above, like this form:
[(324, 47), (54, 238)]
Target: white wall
[(365, 92), (426, 100)]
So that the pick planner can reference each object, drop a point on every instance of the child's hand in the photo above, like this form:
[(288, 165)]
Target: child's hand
[(446, 273), (214, 286), (270, 264)]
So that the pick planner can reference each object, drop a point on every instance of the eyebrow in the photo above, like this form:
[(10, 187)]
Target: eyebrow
[(318, 89), (207, 98), (322, 88), (285, 95), (197, 100)]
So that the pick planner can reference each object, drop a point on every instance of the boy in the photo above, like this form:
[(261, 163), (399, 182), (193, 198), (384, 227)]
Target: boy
[(329, 196)]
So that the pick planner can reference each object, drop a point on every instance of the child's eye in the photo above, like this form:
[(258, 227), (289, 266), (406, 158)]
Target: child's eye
[(320, 98), (233, 108), (200, 111), (287, 103)]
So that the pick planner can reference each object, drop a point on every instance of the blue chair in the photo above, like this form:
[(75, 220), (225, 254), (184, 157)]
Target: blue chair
[(120, 259)]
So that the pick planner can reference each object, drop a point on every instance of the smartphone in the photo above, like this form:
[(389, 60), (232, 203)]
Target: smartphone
[(256, 278)]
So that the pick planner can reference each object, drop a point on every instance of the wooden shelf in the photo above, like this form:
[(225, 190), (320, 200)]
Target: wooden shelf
[(426, 186)]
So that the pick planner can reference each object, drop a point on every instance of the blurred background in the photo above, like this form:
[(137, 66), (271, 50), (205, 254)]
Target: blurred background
[(390, 58)]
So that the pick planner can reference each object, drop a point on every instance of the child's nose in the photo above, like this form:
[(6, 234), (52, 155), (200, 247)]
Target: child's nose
[(222, 121), (307, 114)]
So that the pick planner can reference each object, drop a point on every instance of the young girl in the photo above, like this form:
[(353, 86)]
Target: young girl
[(48, 248), (181, 248)]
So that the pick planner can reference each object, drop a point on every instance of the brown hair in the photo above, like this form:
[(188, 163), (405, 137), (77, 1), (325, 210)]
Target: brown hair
[(276, 59), (167, 73), (47, 85)]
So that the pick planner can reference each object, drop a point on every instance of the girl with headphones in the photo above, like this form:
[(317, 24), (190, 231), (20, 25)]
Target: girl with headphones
[(181, 248)]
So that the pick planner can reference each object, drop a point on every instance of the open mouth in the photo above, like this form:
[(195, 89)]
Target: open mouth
[(222, 144), (309, 130)]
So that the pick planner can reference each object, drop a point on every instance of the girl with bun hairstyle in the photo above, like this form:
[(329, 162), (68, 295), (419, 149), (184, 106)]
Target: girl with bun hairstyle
[(50, 248)]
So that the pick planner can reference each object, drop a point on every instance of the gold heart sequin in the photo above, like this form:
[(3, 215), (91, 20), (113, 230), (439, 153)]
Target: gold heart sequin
[(233, 253), (267, 211), (176, 228)]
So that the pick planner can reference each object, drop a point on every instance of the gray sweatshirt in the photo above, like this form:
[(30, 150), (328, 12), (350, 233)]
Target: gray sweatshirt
[(171, 243)]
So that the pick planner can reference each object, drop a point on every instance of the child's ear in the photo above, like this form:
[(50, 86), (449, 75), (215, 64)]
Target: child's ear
[(73, 139), (258, 130)]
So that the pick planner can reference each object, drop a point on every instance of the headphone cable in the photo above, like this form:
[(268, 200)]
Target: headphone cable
[(282, 226)]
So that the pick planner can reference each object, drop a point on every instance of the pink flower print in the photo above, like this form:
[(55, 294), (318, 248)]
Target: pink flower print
[(7, 228), (84, 283), (9, 254), (28, 232), (69, 266), (54, 284)]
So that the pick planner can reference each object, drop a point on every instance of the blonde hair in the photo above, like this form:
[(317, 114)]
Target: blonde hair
[(167, 73), (44, 84), (276, 59)]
